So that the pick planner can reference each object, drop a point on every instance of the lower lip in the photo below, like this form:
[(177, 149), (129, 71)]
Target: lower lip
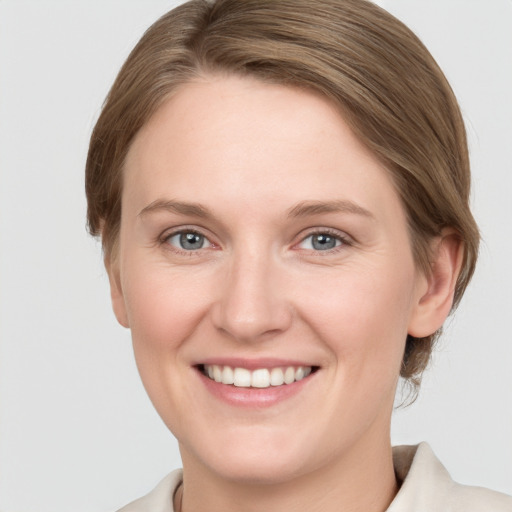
[(253, 397)]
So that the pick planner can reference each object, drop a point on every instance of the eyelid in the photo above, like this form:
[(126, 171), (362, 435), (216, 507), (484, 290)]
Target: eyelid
[(166, 235), (180, 233), (345, 239)]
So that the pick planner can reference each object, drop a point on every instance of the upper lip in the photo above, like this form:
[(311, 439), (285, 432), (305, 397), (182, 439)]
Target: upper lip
[(253, 364)]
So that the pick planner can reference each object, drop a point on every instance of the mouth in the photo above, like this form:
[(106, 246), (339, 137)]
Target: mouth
[(259, 378)]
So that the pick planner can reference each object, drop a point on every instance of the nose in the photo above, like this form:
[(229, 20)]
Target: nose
[(252, 304)]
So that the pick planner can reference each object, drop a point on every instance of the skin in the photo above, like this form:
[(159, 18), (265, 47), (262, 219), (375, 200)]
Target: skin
[(249, 153)]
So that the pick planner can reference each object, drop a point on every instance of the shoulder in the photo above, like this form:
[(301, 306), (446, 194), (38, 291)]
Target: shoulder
[(160, 498), (427, 486), (466, 498)]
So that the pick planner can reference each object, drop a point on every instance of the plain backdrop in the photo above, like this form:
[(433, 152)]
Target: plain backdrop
[(77, 431)]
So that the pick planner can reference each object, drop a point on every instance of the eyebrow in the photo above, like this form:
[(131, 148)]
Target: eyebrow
[(302, 209), (305, 208), (192, 209)]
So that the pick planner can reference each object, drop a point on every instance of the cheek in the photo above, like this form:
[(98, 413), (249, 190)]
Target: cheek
[(362, 314), (163, 309)]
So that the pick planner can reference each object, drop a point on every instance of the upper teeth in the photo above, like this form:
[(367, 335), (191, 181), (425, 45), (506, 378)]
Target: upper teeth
[(261, 378)]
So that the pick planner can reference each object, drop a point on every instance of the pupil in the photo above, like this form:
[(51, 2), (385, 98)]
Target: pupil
[(191, 241), (323, 242)]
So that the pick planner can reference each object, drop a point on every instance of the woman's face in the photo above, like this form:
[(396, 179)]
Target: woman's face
[(258, 234)]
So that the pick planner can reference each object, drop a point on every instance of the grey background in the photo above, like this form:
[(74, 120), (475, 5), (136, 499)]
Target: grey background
[(77, 431)]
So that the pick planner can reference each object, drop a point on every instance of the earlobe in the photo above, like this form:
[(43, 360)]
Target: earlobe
[(116, 292), (435, 299)]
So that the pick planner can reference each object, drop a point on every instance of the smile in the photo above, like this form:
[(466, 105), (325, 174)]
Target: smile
[(259, 378)]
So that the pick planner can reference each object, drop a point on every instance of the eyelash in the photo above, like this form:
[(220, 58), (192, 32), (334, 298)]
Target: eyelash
[(166, 237), (343, 239)]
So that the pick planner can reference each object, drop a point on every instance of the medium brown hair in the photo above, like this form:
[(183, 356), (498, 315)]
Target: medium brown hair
[(380, 76)]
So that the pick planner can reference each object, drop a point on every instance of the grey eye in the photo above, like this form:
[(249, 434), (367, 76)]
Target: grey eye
[(320, 242), (189, 241)]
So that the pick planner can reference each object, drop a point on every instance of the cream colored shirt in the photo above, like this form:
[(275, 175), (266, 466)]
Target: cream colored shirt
[(426, 487)]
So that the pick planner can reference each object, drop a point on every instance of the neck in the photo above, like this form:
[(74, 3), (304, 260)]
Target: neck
[(355, 484)]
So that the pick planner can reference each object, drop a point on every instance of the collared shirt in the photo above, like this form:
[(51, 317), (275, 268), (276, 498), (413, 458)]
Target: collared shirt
[(426, 486)]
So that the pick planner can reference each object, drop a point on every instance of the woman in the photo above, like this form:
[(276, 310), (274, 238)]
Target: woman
[(281, 189)]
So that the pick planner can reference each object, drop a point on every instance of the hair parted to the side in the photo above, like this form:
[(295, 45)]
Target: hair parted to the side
[(383, 80)]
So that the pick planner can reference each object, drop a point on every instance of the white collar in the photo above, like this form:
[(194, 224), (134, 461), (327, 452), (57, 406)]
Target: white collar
[(426, 487)]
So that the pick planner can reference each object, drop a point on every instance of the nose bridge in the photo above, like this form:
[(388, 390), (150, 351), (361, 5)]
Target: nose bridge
[(252, 303)]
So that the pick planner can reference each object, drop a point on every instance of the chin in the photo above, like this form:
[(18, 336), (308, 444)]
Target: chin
[(252, 459), (264, 469)]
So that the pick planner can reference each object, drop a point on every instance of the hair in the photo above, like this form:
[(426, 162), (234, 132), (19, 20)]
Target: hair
[(383, 80)]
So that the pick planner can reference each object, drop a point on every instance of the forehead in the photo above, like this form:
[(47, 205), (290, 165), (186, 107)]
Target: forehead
[(244, 141)]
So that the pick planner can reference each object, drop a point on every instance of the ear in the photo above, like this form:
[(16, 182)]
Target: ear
[(435, 294), (116, 291)]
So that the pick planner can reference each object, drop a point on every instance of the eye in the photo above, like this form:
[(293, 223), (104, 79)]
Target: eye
[(188, 241), (321, 242)]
